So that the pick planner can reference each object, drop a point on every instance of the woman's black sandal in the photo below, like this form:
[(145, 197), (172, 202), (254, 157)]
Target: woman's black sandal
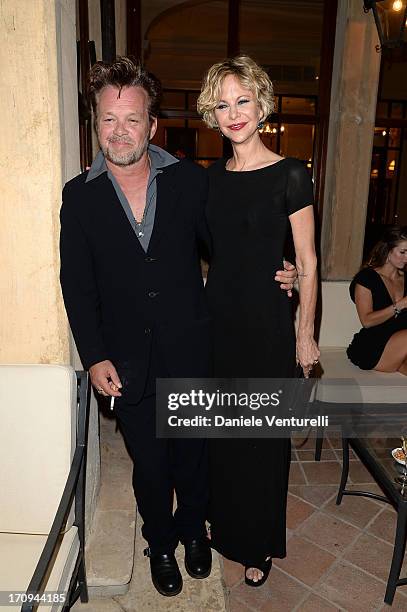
[(264, 567)]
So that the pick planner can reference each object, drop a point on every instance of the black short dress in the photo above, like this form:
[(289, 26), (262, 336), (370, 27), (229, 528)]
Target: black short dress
[(254, 336), (368, 344)]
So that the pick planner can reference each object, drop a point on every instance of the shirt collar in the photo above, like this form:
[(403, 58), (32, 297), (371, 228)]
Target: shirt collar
[(158, 158)]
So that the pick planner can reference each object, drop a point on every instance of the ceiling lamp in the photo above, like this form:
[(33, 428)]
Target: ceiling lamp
[(390, 17)]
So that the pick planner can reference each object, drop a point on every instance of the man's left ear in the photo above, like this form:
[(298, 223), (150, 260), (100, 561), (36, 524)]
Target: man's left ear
[(153, 127)]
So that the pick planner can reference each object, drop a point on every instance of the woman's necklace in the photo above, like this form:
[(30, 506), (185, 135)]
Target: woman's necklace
[(240, 169), (393, 286)]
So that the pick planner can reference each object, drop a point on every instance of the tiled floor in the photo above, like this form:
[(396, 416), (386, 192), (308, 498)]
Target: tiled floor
[(338, 557)]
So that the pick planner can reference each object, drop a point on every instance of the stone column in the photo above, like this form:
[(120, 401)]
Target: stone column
[(350, 140), (39, 152)]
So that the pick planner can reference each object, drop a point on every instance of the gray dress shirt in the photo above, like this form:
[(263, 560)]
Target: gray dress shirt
[(158, 159)]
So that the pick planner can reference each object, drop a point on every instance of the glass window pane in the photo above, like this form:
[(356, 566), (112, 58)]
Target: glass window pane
[(192, 98), (198, 123), (160, 135), (390, 17), (285, 38), (182, 39), (382, 109), (298, 106), (181, 142), (268, 134), (379, 139), (210, 143), (173, 100), (397, 110), (297, 140), (394, 137), (391, 185), (391, 166), (374, 171), (382, 192)]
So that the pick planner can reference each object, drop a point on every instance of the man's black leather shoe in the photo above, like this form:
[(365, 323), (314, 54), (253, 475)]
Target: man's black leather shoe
[(198, 557), (165, 573)]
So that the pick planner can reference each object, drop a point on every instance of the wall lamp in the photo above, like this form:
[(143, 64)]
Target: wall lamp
[(390, 17)]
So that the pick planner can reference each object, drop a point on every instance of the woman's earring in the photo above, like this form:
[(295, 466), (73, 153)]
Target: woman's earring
[(260, 125), (216, 127)]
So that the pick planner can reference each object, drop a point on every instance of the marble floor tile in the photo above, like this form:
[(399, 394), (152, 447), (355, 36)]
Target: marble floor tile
[(328, 532), (313, 603), (296, 474), (372, 555), (384, 525), (324, 472), (316, 495), (279, 594), (295, 564), (352, 589), (297, 511), (356, 510)]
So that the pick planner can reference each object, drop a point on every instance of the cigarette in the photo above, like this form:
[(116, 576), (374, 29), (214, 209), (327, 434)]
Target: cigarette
[(112, 402)]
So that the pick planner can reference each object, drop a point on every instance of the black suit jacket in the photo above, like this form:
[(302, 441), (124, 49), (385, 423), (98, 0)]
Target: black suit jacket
[(120, 300)]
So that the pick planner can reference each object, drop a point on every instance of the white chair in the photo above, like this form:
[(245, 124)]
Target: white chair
[(44, 415)]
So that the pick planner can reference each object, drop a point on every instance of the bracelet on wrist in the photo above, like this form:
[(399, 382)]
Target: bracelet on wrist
[(396, 311)]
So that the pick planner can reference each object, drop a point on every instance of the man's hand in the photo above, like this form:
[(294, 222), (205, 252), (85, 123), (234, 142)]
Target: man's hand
[(105, 378), (287, 277)]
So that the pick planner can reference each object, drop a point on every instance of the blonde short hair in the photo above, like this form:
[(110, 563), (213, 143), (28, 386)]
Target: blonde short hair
[(249, 74)]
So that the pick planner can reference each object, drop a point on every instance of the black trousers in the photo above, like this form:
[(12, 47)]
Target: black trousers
[(162, 466)]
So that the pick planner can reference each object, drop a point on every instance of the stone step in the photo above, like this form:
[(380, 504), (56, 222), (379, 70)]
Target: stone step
[(118, 574), (110, 546)]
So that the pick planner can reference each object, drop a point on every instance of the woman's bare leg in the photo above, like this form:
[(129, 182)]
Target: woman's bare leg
[(403, 368), (394, 356)]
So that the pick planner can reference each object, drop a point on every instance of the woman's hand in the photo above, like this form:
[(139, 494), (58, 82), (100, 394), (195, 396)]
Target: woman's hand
[(401, 304), (307, 353)]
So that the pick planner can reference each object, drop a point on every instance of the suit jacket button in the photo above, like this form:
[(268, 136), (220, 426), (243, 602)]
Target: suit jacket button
[(150, 259), (147, 330), (152, 294)]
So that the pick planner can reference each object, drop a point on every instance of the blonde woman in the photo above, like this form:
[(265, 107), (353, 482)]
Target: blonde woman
[(253, 198)]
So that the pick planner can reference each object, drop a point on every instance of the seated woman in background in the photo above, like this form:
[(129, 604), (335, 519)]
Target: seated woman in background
[(379, 291)]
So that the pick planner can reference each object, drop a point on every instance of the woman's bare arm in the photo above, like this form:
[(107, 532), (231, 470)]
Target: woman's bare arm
[(364, 306), (302, 225)]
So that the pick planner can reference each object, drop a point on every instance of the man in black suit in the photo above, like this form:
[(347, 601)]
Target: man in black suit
[(130, 274)]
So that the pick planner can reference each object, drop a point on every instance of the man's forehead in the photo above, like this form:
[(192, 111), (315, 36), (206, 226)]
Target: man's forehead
[(115, 97)]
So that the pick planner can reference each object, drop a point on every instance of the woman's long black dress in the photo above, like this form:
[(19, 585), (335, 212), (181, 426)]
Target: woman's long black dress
[(253, 337), (368, 344)]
